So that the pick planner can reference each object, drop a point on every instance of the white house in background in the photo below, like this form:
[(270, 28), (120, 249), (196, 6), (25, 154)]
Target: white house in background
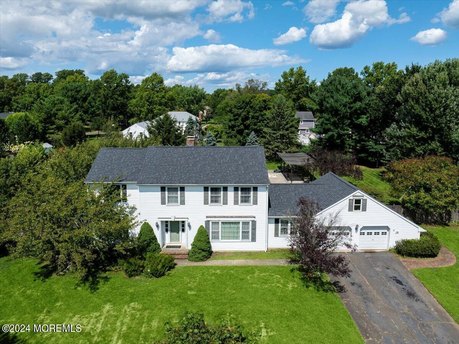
[(307, 122), (141, 129), (226, 189)]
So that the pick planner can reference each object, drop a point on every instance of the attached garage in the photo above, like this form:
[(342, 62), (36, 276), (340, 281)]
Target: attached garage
[(373, 238)]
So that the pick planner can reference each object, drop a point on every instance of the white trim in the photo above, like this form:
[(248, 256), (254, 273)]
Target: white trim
[(376, 201)]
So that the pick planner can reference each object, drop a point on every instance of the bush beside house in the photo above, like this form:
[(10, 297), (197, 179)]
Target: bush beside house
[(201, 249), (158, 264), (147, 241), (426, 247)]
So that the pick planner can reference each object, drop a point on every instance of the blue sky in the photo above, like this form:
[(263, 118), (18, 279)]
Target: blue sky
[(223, 42)]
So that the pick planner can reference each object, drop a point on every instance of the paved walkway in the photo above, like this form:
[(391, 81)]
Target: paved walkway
[(238, 262), (390, 305), (444, 258)]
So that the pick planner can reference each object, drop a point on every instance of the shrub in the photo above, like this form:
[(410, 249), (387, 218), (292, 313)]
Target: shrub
[(192, 329), (427, 246), (147, 241), (158, 264), (73, 133), (201, 248), (133, 267)]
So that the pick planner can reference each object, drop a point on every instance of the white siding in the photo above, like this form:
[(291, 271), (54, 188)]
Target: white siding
[(196, 213), (375, 215), (135, 131)]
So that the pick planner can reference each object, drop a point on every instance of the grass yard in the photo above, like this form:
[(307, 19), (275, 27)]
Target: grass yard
[(272, 165), (373, 184), (271, 254), (270, 300), (443, 283)]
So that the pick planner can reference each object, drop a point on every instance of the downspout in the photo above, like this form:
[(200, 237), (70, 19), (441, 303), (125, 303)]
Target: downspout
[(267, 218)]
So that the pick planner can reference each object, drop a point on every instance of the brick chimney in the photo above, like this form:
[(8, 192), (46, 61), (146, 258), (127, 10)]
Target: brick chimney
[(191, 141)]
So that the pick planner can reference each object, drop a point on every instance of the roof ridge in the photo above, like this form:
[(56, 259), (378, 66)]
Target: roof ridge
[(342, 180)]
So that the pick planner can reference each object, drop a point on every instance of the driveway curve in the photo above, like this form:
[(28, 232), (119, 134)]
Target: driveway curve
[(390, 305)]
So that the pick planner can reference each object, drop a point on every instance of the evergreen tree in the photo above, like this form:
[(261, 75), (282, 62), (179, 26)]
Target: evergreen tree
[(166, 131), (209, 139), (281, 133), (252, 140), (73, 134), (295, 85), (192, 127), (201, 249), (148, 243)]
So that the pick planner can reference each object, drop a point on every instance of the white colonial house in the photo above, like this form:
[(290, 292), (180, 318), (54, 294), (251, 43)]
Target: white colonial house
[(140, 129), (227, 190), (307, 123)]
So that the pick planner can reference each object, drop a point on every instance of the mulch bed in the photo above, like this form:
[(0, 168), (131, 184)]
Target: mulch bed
[(444, 258)]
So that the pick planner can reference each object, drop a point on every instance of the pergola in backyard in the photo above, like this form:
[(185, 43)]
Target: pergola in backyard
[(292, 162)]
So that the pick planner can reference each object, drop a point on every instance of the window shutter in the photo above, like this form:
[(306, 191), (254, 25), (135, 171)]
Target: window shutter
[(207, 226), (163, 195), (182, 195), (364, 204), (206, 195), (276, 227), (225, 195), (351, 205), (236, 195), (254, 231), (255, 195)]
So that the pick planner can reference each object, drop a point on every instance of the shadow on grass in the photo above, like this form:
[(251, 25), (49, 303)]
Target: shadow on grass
[(320, 282), (10, 338), (91, 279)]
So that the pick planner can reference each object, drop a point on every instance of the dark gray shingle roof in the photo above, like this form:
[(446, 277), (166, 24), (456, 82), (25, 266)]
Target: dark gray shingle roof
[(325, 191), (305, 115), (181, 165)]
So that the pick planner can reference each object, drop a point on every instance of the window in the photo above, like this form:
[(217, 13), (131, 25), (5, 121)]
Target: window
[(284, 228), (376, 233), (215, 231), (383, 233), (246, 196), (230, 231), (123, 193), (173, 195), (215, 195), (357, 204)]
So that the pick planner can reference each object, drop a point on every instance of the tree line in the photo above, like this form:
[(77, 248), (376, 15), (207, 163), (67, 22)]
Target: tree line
[(379, 115)]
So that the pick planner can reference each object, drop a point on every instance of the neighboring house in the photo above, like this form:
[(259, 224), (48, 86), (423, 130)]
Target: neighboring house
[(226, 189), (307, 122), (141, 129)]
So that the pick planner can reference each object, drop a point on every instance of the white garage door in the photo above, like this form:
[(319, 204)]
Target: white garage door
[(374, 237)]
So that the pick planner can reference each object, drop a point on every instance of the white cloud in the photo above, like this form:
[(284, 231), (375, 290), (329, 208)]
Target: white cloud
[(357, 19), (319, 11), (450, 16), (288, 4), (12, 62), (292, 35), (430, 37), (230, 10), (212, 36), (221, 58)]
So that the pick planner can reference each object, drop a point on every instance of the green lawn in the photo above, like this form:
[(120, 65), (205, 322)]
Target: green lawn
[(270, 300), (271, 254), (443, 283), (272, 165), (373, 184)]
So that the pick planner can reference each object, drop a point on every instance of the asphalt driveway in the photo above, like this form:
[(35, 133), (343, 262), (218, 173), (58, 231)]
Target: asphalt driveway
[(389, 305)]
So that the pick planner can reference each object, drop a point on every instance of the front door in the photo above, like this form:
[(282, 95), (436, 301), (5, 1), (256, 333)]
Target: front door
[(174, 231)]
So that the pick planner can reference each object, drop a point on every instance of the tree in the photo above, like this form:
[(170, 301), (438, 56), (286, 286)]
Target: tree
[(313, 246), (295, 85), (192, 127), (23, 127), (252, 140), (41, 78), (427, 187), (209, 139), (201, 249), (427, 122), (187, 98), (281, 132), (149, 99), (253, 86), (69, 229), (342, 121), (384, 81), (73, 134), (166, 131), (147, 241), (3, 133)]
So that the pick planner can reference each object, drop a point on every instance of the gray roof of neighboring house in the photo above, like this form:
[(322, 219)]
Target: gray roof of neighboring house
[(181, 166), (305, 115), (3, 115), (181, 116), (325, 191), (143, 124)]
